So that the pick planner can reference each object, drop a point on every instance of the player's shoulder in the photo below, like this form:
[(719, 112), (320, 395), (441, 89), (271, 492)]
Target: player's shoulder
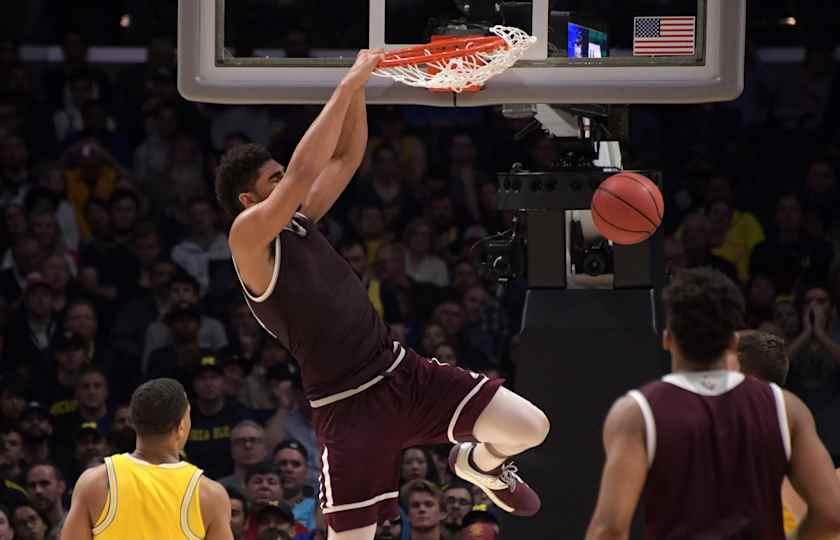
[(92, 483), (213, 501)]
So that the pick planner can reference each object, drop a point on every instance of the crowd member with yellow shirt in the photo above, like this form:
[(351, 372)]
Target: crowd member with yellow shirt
[(151, 494), (764, 356), (734, 233)]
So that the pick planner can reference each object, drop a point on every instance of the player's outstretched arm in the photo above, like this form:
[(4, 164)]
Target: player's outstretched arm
[(812, 474), (625, 471), (258, 225), (348, 156), (215, 510), (89, 495)]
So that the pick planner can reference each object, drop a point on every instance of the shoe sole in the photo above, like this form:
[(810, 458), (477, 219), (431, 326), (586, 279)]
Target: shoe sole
[(458, 465)]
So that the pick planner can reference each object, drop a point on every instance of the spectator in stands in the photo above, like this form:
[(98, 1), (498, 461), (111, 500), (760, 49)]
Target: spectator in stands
[(263, 490), (417, 464), (184, 293), (12, 402), (386, 188), (37, 430), (423, 502), (246, 334), (14, 169), (447, 232), (733, 233), (204, 244), (74, 47), (91, 174), (91, 446), (29, 523), (464, 173), (213, 419), (68, 360), (446, 354), (291, 458), (457, 502), (274, 520), (410, 150), (487, 328), (123, 371), (696, 243), (43, 227), (786, 318), (789, 253), (56, 272), (12, 455), (433, 337), (761, 299), (26, 257), (29, 336), (369, 225), (815, 365), (51, 181), (293, 417), (238, 513), (236, 369), (6, 531), (46, 487), (14, 228), (152, 158), (247, 448), (480, 525), (148, 305), (420, 263), (180, 358), (92, 398), (68, 121), (122, 436), (354, 253), (391, 529), (403, 298), (256, 392)]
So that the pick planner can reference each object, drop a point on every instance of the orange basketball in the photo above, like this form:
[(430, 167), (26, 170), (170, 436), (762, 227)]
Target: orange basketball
[(627, 208)]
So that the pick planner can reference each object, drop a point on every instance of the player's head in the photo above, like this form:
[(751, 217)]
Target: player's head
[(703, 310), (246, 176), (761, 355), (160, 412)]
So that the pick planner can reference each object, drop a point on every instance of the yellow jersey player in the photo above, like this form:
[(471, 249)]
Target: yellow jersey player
[(150, 494)]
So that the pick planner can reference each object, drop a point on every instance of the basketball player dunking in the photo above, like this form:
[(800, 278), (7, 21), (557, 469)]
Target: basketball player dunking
[(370, 396), (707, 448), (150, 494)]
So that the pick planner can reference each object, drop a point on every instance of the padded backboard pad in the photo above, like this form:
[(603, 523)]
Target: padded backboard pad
[(588, 51), (580, 351)]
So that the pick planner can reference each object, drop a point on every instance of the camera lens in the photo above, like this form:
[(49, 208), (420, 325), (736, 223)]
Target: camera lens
[(594, 264)]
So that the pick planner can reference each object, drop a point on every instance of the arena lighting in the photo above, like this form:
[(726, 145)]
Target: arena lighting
[(788, 21)]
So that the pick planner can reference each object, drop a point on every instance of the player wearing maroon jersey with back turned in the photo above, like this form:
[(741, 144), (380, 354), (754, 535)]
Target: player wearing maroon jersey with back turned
[(706, 449), (370, 396)]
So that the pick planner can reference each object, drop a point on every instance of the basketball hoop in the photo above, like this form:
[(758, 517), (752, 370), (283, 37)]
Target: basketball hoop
[(456, 64)]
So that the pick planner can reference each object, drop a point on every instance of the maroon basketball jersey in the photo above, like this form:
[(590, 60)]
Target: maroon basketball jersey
[(718, 448), (317, 307)]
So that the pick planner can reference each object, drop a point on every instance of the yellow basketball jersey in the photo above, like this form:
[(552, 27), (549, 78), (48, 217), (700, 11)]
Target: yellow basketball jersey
[(150, 502)]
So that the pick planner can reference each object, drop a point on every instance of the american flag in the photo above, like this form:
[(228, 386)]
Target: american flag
[(663, 36)]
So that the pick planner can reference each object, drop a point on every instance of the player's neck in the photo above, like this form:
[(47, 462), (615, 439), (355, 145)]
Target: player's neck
[(683, 365), (156, 454)]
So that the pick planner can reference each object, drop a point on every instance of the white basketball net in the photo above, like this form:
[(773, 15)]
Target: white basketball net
[(471, 69)]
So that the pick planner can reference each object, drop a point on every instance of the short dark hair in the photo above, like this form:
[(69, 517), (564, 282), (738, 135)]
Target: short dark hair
[(704, 309), (264, 467), (235, 493), (763, 355), (420, 486), (157, 407), (237, 173), (292, 444)]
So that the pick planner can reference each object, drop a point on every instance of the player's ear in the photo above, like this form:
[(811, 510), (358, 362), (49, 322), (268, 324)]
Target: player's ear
[(246, 199), (667, 339)]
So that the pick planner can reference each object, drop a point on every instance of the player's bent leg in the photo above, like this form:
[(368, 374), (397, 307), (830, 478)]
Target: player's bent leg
[(507, 426), (365, 533)]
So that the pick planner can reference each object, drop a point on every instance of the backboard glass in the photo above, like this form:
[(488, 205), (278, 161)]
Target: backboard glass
[(588, 51)]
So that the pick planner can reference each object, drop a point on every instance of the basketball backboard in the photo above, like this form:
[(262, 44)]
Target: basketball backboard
[(588, 51)]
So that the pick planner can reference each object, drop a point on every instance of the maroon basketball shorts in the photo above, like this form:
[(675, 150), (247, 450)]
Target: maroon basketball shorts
[(419, 401)]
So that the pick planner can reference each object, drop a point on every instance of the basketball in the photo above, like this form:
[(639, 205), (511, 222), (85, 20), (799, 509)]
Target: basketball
[(627, 208)]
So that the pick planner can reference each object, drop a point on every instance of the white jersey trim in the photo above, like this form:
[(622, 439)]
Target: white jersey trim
[(275, 273), (112, 498), (362, 387), (705, 383), (191, 492), (450, 432), (781, 412), (650, 424), (361, 504)]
